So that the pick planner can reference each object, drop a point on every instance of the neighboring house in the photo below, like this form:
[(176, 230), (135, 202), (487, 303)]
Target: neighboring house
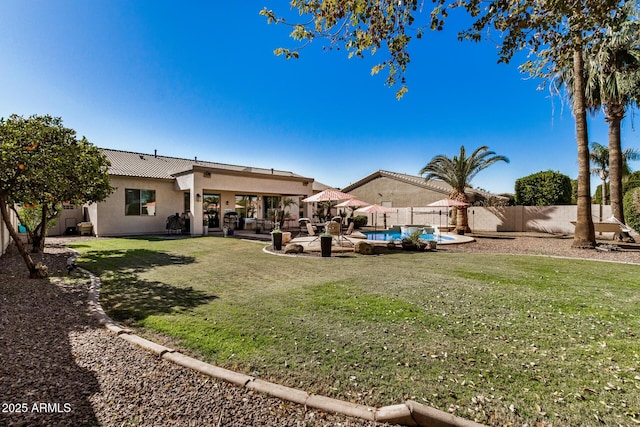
[(394, 189), (151, 188)]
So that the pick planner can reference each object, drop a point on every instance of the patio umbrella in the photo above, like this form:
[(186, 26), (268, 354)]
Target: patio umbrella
[(375, 209), (350, 203), (328, 195), (448, 203)]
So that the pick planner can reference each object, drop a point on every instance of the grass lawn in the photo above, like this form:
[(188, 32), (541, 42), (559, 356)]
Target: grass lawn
[(498, 339)]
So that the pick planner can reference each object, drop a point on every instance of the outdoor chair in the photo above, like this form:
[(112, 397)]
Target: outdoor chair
[(310, 230), (335, 230)]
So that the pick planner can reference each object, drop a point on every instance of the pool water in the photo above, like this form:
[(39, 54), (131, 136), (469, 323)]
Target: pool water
[(385, 236)]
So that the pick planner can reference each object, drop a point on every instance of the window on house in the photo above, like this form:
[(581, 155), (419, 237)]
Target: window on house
[(247, 205), (140, 202), (271, 205)]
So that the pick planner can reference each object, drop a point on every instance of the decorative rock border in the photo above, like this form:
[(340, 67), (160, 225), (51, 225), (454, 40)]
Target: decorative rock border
[(409, 413)]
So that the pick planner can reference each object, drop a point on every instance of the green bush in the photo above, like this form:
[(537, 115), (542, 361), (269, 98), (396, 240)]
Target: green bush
[(631, 203), (360, 221), (543, 189), (631, 181)]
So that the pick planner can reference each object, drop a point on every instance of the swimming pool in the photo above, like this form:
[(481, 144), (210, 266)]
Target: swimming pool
[(385, 236)]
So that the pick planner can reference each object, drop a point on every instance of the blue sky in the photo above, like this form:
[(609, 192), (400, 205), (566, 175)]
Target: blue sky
[(194, 79)]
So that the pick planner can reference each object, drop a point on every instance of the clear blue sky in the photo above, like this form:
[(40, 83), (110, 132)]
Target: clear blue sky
[(195, 79)]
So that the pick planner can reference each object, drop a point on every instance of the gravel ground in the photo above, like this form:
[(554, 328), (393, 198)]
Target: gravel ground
[(59, 367)]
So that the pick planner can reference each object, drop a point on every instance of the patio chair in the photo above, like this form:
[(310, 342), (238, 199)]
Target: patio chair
[(310, 230), (335, 230)]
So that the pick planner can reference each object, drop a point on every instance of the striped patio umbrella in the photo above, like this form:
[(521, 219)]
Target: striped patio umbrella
[(351, 203), (328, 195)]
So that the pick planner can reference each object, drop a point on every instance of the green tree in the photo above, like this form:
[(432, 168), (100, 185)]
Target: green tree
[(546, 188), (43, 164), (458, 172), (554, 32)]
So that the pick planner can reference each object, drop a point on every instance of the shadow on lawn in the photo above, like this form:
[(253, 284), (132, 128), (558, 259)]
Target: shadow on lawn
[(127, 297)]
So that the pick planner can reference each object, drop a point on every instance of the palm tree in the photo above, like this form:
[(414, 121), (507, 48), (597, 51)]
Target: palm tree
[(599, 156), (615, 79), (458, 173), (609, 78)]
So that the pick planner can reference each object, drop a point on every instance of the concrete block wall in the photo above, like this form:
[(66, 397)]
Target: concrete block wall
[(547, 219)]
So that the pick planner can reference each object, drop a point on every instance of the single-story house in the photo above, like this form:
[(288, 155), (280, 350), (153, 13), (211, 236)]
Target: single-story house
[(150, 190), (393, 189)]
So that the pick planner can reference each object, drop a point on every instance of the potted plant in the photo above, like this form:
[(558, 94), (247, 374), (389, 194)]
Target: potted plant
[(413, 242), (276, 239), (325, 244)]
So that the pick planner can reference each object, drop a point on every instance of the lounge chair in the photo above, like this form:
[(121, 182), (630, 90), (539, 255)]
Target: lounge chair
[(310, 230)]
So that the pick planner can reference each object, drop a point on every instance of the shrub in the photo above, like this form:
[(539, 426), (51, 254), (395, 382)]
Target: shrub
[(543, 189), (360, 221), (631, 203)]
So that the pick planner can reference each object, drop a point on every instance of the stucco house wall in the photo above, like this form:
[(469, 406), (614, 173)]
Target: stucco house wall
[(394, 189), (179, 186), (391, 192), (109, 219)]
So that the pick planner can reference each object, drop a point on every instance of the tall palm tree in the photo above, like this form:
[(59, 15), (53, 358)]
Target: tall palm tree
[(611, 81), (615, 74), (458, 172)]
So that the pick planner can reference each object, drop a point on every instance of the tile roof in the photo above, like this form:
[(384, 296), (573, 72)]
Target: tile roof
[(432, 184), (126, 163)]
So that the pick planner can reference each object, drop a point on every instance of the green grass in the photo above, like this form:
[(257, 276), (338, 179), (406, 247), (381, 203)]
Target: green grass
[(498, 339)]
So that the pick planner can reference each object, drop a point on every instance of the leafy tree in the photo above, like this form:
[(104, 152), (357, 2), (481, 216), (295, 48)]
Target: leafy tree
[(43, 164), (458, 172), (546, 188), (555, 32)]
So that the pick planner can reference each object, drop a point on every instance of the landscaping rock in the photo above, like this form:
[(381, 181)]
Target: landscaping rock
[(293, 248), (364, 248)]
